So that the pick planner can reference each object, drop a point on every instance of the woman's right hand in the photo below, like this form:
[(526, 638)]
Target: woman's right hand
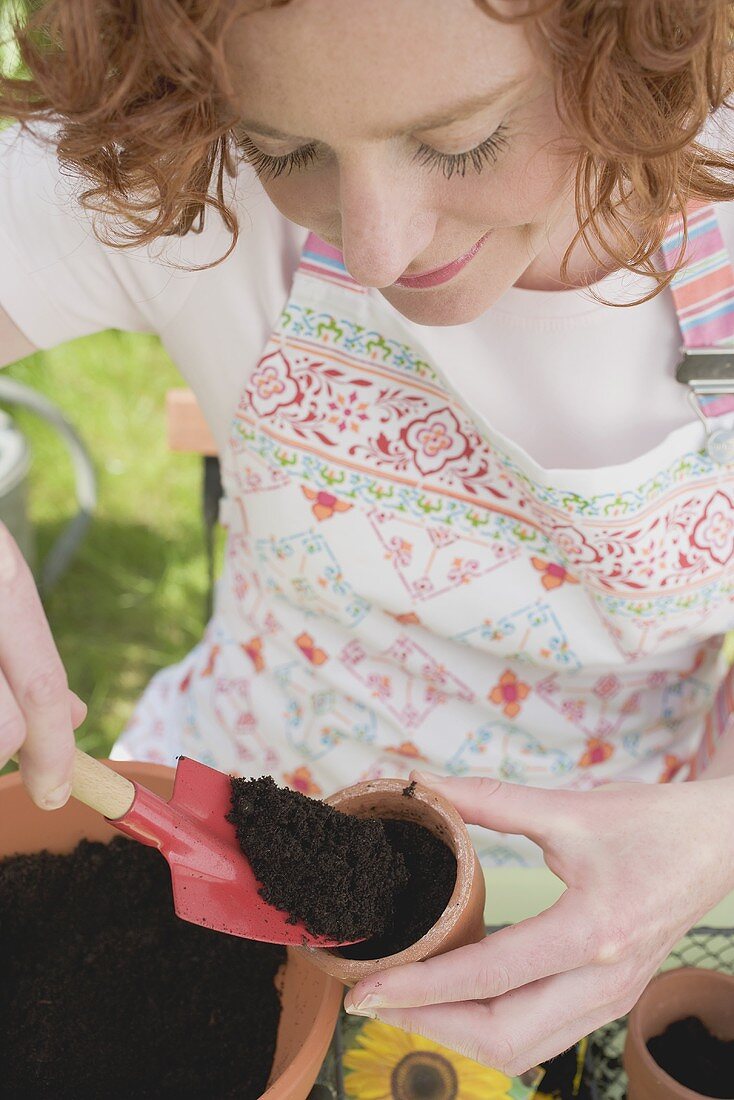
[(38, 712)]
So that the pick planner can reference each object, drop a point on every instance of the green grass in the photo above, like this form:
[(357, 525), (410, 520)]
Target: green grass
[(133, 600)]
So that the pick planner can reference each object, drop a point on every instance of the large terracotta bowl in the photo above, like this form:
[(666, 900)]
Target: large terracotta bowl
[(311, 999)]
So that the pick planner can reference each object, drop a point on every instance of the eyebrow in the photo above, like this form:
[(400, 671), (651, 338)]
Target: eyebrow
[(457, 113)]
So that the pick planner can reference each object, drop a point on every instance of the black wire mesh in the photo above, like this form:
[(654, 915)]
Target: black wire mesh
[(604, 1078)]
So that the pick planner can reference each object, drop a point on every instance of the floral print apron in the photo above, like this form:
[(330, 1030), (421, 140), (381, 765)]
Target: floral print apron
[(404, 586)]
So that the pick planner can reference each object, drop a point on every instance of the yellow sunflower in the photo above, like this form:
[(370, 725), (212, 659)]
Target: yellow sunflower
[(389, 1064)]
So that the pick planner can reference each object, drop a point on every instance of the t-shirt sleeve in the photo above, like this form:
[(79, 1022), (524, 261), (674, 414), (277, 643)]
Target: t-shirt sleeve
[(58, 281)]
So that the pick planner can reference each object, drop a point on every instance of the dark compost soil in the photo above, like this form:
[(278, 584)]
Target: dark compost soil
[(348, 878), (106, 993), (385, 882), (418, 904), (691, 1055), (336, 873)]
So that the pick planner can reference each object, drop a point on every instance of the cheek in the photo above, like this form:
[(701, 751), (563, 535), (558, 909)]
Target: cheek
[(521, 189), (308, 198), (516, 195)]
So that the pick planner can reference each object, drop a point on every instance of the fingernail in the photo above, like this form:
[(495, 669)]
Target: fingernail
[(365, 1007), (428, 779), (76, 701), (55, 799), (8, 557)]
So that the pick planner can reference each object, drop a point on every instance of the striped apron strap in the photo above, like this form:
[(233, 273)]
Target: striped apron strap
[(703, 293), (323, 261), (703, 290)]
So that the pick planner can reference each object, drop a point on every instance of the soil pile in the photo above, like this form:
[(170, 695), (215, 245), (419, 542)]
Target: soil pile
[(691, 1055), (105, 992), (418, 904), (338, 874), (383, 882)]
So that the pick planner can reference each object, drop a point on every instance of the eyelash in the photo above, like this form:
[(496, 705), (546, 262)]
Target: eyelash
[(487, 152), (451, 164)]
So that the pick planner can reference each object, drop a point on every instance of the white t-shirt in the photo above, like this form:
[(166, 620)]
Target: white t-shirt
[(574, 382)]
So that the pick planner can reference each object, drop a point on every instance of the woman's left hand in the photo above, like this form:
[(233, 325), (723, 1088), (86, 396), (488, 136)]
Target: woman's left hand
[(642, 864)]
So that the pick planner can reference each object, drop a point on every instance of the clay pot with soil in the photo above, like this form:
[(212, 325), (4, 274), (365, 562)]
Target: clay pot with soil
[(683, 1021), (442, 905), (309, 1000)]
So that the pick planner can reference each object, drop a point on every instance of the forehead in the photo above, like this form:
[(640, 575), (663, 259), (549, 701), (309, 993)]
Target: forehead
[(335, 68)]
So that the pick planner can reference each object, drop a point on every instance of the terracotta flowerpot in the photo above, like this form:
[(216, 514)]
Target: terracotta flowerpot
[(674, 995), (462, 921), (311, 1000)]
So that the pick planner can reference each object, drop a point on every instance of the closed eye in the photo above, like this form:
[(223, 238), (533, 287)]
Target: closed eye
[(487, 152)]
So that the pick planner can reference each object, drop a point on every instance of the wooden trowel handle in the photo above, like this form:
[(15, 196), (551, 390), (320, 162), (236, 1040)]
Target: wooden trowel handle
[(98, 787)]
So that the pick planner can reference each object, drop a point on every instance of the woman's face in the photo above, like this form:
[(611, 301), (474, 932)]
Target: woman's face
[(410, 134)]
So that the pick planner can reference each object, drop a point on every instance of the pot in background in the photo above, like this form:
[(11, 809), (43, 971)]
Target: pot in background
[(674, 995), (462, 921), (310, 1000)]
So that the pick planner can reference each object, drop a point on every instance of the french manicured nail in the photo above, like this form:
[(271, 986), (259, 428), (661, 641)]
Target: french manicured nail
[(56, 798), (365, 1007)]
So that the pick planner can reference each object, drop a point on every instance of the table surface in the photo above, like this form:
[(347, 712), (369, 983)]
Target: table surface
[(514, 893)]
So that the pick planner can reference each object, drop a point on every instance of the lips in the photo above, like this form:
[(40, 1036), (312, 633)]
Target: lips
[(438, 275)]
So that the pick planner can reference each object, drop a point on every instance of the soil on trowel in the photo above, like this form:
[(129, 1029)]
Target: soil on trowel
[(693, 1057), (337, 873), (106, 993)]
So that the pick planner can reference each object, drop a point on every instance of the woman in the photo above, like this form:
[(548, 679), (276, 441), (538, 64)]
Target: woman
[(474, 522)]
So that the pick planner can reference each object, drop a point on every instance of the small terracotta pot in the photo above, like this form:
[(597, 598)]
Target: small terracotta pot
[(462, 921), (310, 1000), (674, 995)]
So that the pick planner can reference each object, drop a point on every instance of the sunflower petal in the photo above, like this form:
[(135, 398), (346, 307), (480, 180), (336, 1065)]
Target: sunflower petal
[(379, 1048)]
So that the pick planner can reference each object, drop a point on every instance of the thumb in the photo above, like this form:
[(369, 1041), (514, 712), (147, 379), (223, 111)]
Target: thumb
[(78, 710), (505, 807)]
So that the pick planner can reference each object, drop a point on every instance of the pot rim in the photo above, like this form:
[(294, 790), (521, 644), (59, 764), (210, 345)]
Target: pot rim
[(676, 974), (287, 1083)]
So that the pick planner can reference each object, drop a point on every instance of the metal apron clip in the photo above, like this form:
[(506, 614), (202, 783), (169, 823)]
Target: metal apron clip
[(709, 372)]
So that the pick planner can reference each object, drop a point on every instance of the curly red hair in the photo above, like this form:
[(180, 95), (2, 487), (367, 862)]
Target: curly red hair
[(139, 93)]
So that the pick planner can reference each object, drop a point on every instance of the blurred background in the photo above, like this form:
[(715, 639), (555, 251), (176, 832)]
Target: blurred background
[(134, 597)]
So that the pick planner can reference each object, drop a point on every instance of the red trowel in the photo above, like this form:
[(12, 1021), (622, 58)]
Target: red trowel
[(213, 882)]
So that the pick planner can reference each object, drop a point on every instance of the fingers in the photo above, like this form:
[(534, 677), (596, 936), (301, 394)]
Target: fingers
[(561, 1041), (563, 1011), (504, 807), (12, 723), (35, 678), (515, 1032), (466, 1028), (78, 709), (551, 943)]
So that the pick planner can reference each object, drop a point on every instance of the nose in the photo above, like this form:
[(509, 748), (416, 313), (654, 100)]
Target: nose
[(384, 227)]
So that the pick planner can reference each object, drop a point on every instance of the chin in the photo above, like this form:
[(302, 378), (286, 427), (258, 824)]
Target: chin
[(444, 305), (474, 290)]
